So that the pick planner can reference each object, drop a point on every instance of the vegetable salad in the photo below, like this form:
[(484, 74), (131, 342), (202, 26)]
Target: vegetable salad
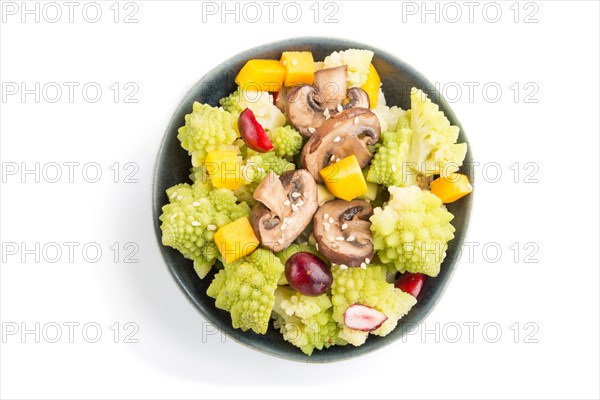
[(318, 206)]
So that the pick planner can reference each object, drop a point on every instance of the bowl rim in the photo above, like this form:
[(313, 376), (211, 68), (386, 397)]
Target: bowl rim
[(174, 122)]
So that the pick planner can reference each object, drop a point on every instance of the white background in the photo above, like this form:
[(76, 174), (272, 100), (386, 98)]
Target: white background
[(164, 54)]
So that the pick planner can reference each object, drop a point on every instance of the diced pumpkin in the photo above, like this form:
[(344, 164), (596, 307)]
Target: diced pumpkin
[(371, 86), (344, 179), (224, 168), (261, 75), (299, 66), (451, 188), (236, 240)]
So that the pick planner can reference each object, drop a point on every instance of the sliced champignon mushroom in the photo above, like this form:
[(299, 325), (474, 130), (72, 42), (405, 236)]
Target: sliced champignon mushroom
[(331, 85), (343, 232), (308, 107), (349, 132), (285, 207)]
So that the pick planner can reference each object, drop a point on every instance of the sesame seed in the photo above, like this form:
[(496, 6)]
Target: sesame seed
[(195, 223), (311, 129), (350, 238), (211, 227), (337, 139), (294, 208), (331, 220), (196, 204), (393, 167), (173, 217), (179, 197), (173, 195), (340, 108), (325, 215), (339, 238), (283, 227), (285, 220), (368, 261), (343, 266), (344, 226), (287, 203), (327, 226), (294, 61), (317, 246), (284, 62), (337, 160), (363, 266), (300, 203), (332, 158), (355, 120), (295, 195), (280, 241), (326, 112)]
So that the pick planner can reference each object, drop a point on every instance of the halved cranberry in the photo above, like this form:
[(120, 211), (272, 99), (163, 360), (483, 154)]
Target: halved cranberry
[(411, 283), (363, 318), (253, 133)]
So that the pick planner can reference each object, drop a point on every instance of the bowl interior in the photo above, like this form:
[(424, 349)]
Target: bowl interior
[(173, 164)]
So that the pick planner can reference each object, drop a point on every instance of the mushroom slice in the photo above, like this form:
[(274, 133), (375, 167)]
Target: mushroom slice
[(285, 207), (343, 232), (331, 85), (357, 98), (308, 107), (349, 132)]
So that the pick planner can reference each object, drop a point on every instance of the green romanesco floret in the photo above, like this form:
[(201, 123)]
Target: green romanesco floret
[(258, 165), (358, 62), (287, 142), (412, 231), (190, 219), (261, 104), (206, 128), (246, 288), (368, 287), (433, 149), (388, 166), (305, 321)]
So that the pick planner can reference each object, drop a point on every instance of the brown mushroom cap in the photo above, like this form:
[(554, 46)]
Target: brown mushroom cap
[(308, 107), (343, 232), (349, 132), (285, 207)]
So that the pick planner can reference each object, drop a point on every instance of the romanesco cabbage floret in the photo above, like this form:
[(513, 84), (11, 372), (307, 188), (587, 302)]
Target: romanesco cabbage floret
[(261, 104), (246, 288), (433, 149), (412, 230), (368, 287), (388, 166), (258, 165), (305, 321), (358, 62), (206, 128), (287, 141), (190, 219)]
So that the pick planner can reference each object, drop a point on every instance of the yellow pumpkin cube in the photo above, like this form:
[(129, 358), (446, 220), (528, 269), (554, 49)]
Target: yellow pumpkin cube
[(371, 86), (344, 179), (236, 240), (299, 66), (224, 168), (261, 75), (451, 188)]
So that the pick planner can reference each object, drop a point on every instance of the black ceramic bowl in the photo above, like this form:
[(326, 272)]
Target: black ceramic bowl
[(173, 165)]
